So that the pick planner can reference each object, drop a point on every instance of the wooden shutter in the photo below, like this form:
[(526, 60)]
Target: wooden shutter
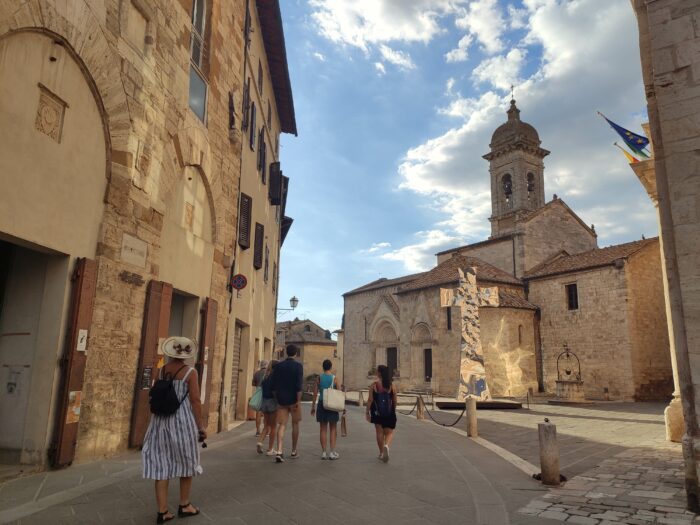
[(252, 130), (275, 188), (235, 370), (259, 241), (246, 104), (205, 358), (285, 191), (73, 363), (245, 214), (263, 157), (156, 319)]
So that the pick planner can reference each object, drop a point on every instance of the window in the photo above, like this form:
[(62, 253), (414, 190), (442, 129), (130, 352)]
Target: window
[(530, 183), (274, 277), (448, 314), (428, 364), (262, 155), (266, 272), (198, 86), (274, 190), (259, 245), (260, 78), (572, 296), (307, 328), (520, 335), (269, 114), (252, 130), (246, 104), (507, 187), (245, 213)]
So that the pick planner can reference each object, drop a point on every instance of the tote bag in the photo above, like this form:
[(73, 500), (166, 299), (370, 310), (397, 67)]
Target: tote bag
[(256, 400), (333, 399)]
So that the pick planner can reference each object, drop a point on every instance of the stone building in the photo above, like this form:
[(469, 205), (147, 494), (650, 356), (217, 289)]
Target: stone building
[(131, 132), (315, 344), (669, 39), (550, 288)]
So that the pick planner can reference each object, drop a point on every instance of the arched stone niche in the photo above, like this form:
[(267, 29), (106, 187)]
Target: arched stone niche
[(187, 239), (53, 159)]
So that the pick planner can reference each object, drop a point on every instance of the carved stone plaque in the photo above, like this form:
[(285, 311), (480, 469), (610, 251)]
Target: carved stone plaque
[(134, 251), (49, 114)]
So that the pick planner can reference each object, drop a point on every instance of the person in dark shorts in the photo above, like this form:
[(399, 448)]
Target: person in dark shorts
[(287, 385), (327, 419), (381, 410), (269, 412)]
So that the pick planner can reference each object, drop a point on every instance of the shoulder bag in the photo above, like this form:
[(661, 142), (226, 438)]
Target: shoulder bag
[(333, 399)]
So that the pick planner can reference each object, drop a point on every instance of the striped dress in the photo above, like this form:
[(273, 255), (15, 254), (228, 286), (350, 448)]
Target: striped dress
[(170, 447)]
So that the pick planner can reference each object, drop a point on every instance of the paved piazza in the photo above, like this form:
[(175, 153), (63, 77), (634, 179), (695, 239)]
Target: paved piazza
[(620, 470)]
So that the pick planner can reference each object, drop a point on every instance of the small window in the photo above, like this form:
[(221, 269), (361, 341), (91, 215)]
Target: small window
[(448, 314), (260, 78), (530, 183), (307, 328), (572, 296), (507, 186), (266, 274), (259, 244), (252, 130)]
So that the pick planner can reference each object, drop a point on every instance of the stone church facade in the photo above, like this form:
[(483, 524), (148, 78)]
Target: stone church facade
[(139, 172), (551, 288)]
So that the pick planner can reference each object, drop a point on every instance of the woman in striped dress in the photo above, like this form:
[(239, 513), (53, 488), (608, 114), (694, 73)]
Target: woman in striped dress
[(170, 447)]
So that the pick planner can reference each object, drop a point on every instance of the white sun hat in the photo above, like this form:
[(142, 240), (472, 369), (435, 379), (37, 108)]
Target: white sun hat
[(179, 348)]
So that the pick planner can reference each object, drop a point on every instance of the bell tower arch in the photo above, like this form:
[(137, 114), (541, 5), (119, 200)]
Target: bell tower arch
[(516, 165)]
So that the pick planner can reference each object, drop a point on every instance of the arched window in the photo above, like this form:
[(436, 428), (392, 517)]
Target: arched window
[(508, 189), (530, 185), (307, 328)]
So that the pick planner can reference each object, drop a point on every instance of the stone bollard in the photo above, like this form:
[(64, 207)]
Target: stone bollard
[(420, 408), (471, 417), (549, 453)]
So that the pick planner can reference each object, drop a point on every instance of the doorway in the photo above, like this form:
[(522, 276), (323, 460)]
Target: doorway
[(428, 364), (392, 360)]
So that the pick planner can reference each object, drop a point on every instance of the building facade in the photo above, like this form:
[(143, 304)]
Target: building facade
[(315, 344), (551, 288), (124, 156)]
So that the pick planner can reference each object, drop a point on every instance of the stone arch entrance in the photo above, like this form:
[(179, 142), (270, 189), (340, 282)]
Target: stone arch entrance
[(51, 209), (422, 354), (385, 342)]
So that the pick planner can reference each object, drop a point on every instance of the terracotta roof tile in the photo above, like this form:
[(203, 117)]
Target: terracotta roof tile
[(446, 273), (508, 299), (565, 263), (384, 283)]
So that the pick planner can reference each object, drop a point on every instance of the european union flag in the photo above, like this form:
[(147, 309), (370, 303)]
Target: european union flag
[(634, 142)]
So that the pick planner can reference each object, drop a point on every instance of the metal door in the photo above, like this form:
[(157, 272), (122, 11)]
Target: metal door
[(206, 355), (73, 363), (156, 318)]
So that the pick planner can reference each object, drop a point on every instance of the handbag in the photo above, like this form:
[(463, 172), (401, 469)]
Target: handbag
[(343, 426), (333, 399), (256, 400)]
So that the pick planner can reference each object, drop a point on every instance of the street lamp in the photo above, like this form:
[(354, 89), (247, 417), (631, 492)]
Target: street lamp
[(293, 302)]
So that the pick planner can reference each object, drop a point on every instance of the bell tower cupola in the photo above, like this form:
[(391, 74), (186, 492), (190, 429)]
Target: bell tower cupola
[(516, 165)]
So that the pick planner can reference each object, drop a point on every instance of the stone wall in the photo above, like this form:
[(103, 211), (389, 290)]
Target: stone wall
[(651, 360), (498, 253), (313, 356), (547, 233), (597, 332), (508, 342)]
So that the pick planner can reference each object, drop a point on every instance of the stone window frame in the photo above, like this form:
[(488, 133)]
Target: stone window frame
[(567, 296), (143, 7)]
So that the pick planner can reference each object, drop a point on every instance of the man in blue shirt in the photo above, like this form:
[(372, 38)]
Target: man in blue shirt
[(287, 386)]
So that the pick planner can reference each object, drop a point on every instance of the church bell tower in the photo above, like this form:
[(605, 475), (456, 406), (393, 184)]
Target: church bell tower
[(516, 165)]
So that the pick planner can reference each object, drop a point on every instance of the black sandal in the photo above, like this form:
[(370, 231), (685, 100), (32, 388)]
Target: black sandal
[(160, 518), (182, 514)]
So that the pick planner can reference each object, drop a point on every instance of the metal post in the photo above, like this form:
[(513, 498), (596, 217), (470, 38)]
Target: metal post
[(471, 417), (549, 453)]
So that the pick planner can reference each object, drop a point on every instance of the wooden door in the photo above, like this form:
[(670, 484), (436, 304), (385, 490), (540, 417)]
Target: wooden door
[(156, 319), (428, 364), (73, 363), (235, 372), (205, 358), (392, 360)]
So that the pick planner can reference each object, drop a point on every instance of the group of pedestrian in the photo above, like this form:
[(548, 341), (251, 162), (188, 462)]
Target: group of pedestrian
[(171, 444)]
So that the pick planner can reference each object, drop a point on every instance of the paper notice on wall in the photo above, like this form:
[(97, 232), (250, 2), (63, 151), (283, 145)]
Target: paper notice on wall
[(81, 346), (73, 413), (203, 384)]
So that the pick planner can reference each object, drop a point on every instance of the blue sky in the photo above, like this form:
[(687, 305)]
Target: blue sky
[(396, 101)]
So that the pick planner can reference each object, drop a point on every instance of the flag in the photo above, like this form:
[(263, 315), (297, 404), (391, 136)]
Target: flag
[(633, 141), (630, 158)]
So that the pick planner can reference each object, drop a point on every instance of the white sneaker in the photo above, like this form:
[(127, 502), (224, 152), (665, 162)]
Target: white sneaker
[(323, 456), (333, 455), (272, 452), (259, 447), (294, 455), (385, 455)]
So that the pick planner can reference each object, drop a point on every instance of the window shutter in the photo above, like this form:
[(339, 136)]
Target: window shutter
[(252, 126), (267, 264), (244, 221), (269, 114), (275, 188), (231, 112), (246, 104), (263, 162), (285, 190), (259, 240)]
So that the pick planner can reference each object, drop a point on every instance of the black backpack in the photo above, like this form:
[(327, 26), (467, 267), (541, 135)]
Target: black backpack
[(162, 396)]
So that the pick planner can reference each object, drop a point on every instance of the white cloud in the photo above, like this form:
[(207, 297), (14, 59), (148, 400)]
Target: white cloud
[(363, 23), (398, 58), (584, 67), (517, 17), (376, 247), (380, 68), (461, 52), (484, 20), (420, 256), (501, 71), (320, 56)]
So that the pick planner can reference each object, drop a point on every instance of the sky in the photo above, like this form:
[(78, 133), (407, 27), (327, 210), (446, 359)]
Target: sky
[(396, 101)]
